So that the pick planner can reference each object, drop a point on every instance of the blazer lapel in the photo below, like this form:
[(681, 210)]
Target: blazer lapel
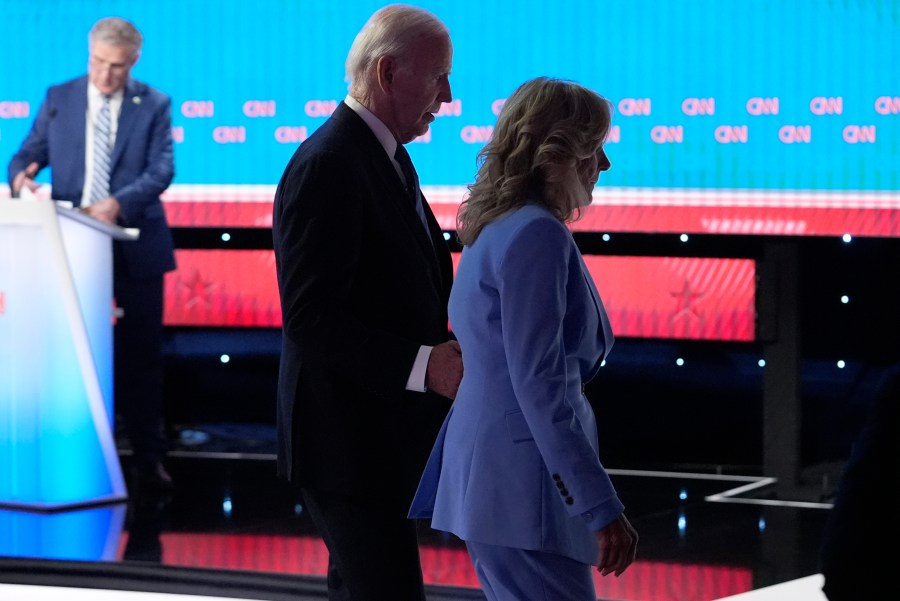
[(605, 326), (406, 200), (434, 237), (131, 102), (400, 198), (74, 112)]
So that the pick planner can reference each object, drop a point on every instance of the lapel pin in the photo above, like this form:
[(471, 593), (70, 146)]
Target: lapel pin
[(136, 100)]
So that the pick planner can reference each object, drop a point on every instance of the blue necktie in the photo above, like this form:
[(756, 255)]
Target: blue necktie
[(102, 153), (412, 182), (409, 172)]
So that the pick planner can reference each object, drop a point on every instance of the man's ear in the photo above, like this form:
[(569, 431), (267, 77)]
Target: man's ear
[(385, 69)]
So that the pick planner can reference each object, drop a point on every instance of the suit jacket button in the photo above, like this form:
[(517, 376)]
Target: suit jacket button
[(556, 477), (569, 500)]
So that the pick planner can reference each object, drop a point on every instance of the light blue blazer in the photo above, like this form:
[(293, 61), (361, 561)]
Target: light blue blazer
[(516, 461)]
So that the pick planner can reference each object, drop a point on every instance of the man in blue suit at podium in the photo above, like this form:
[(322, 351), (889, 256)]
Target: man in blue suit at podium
[(107, 139)]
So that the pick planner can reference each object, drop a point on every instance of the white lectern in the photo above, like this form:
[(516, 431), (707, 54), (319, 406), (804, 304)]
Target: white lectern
[(56, 339)]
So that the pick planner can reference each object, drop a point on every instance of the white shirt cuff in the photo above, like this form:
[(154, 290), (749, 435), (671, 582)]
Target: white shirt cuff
[(416, 379)]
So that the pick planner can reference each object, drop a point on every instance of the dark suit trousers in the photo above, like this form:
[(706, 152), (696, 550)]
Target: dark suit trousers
[(138, 365), (373, 552)]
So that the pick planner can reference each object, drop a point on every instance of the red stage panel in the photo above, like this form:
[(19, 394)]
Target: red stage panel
[(656, 297), (677, 297), (223, 288)]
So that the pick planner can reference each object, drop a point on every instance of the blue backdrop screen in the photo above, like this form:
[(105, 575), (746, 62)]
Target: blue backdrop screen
[(750, 106)]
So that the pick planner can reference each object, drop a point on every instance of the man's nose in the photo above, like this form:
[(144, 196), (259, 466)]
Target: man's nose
[(446, 94)]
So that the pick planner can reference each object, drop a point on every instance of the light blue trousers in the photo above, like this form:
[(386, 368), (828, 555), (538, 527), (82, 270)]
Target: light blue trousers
[(508, 574)]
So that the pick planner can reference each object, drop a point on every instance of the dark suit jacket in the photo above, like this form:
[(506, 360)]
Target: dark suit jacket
[(362, 287), (142, 164)]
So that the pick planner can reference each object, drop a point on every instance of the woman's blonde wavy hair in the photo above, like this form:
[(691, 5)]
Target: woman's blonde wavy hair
[(546, 131)]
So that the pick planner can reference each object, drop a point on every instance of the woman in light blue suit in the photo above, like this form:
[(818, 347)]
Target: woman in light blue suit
[(515, 471)]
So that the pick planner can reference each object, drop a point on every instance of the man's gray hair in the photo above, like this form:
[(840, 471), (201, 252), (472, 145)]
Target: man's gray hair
[(118, 32), (391, 31)]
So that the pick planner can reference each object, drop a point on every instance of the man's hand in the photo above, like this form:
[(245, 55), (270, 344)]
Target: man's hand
[(618, 546), (445, 369), (24, 178), (105, 210)]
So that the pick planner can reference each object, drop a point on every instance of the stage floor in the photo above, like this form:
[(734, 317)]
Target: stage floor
[(231, 529)]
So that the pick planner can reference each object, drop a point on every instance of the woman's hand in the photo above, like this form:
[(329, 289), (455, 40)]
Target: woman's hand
[(618, 546)]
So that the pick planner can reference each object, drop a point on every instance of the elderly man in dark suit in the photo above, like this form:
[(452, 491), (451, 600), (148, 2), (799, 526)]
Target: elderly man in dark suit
[(367, 367), (107, 139)]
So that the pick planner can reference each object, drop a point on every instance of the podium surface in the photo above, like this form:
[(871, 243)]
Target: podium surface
[(56, 346)]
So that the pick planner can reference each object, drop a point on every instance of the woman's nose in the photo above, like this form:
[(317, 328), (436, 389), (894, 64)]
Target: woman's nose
[(604, 163)]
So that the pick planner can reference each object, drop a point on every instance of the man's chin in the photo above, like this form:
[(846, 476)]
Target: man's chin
[(422, 130), (413, 134)]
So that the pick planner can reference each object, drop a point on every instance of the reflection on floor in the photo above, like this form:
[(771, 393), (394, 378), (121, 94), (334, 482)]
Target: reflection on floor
[(703, 536)]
